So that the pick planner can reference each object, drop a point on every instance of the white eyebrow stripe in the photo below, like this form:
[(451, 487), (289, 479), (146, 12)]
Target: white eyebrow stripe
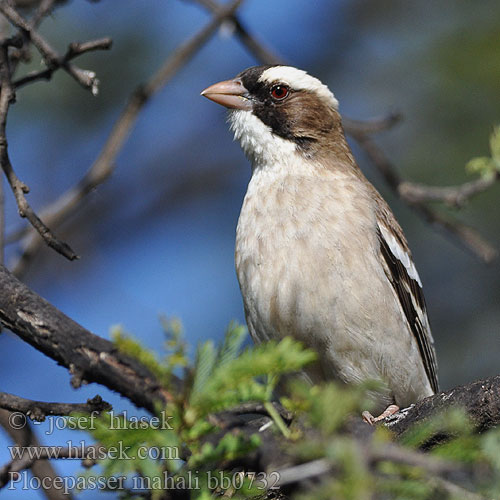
[(299, 80), (400, 253)]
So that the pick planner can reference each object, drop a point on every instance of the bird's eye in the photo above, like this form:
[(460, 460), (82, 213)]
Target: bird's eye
[(279, 92)]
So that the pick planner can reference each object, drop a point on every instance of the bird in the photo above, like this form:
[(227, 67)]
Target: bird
[(319, 254)]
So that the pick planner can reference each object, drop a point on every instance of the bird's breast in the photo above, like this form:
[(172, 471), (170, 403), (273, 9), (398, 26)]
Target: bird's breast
[(292, 259)]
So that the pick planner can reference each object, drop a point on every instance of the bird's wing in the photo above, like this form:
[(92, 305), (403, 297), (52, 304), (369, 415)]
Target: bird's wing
[(404, 278)]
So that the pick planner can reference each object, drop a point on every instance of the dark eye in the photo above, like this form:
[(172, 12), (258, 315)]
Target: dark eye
[(279, 92)]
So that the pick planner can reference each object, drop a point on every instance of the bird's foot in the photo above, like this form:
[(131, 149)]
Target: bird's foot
[(370, 419)]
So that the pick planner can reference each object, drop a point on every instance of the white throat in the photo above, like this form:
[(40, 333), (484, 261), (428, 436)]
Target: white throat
[(262, 147)]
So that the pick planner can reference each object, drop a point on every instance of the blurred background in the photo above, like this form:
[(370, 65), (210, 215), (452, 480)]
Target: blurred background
[(158, 237)]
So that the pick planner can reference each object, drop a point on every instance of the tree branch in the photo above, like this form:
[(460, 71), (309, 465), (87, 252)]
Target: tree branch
[(103, 167), (93, 359), (322, 468), (465, 235), (480, 400), (372, 126), (43, 453), (52, 59), (41, 469), (74, 50), (88, 357), (19, 189), (255, 47), (38, 410), (455, 196)]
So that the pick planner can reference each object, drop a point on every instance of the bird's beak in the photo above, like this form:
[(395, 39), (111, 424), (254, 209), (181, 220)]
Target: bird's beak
[(231, 93)]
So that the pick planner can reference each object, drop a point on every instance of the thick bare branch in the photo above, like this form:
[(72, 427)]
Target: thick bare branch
[(480, 400), (92, 359), (89, 358)]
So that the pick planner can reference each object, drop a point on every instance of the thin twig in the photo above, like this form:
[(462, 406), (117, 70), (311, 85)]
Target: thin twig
[(79, 48), (378, 157), (410, 193), (257, 48), (261, 409), (274, 414), (447, 489), (372, 126), (104, 165), (374, 452), (322, 467), (465, 235), (74, 50), (19, 189), (187, 50), (45, 8), (38, 410), (303, 472), (42, 469), (35, 454), (455, 196), (52, 59), (390, 452)]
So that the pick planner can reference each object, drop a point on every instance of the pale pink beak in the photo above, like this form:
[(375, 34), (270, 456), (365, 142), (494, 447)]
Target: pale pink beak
[(230, 93)]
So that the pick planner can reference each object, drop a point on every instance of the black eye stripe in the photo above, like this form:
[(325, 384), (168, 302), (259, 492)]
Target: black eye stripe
[(250, 78)]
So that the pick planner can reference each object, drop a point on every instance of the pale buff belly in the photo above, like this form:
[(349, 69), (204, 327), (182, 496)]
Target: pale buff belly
[(308, 268)]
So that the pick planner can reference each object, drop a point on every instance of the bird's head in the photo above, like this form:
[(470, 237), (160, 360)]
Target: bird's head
[(279, 112)]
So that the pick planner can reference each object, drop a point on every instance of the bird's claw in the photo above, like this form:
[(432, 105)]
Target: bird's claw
[(371, 420)]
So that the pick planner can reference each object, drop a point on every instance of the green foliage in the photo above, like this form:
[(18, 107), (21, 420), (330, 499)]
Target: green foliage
[(175, 350), (488, 166), (222, 381), (218, 379), (453, 422), (326, 406), (367, 469), (185, 437)]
